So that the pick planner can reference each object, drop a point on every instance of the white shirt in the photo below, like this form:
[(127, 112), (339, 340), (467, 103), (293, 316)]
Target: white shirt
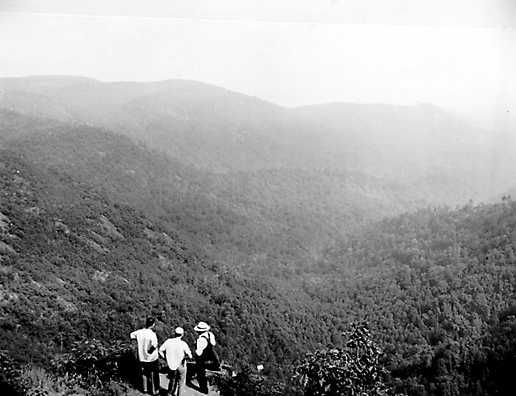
[(146, 338), (202, 342), (175, 351)]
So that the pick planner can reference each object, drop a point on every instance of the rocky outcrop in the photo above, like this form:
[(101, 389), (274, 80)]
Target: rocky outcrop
[(6, 249), (101, 276), (109, 229), (4, 223)]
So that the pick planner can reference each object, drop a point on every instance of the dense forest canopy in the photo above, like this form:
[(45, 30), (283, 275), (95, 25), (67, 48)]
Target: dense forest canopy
[(98, 230)]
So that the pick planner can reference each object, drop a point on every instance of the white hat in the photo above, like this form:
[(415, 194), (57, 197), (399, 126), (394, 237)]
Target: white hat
[(201, 327), (179, 331)]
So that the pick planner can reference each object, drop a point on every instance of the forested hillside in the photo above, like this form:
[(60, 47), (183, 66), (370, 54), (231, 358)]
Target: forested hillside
[(75, 265), (277, 219), (439, 288), (81, 179), (436, 286), (263, 236)]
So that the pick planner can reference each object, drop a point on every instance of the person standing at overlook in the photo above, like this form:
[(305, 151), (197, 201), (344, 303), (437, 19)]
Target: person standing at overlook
[(205, 356), (148, 356), (175, 351)]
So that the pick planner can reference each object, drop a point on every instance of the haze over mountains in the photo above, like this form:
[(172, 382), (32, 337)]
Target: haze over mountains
[(246, 180), (210, 128)]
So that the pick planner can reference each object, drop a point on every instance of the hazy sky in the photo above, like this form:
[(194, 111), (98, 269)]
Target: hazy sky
[(460, 54)]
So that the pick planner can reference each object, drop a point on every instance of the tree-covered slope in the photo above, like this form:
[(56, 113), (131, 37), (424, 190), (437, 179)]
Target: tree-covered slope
[(97, 232), (270, 218), (436, 286), (439, 287), (79, 180), (76, 265)]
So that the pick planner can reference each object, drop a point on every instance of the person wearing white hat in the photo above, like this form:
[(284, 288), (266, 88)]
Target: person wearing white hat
[(205, 356), (175, 351)]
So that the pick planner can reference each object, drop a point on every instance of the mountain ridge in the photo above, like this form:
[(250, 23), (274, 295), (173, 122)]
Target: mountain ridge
[(214, 128)]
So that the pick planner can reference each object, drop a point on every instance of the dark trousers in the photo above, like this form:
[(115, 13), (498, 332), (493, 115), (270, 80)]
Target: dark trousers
[(198, 370), (150, 377)]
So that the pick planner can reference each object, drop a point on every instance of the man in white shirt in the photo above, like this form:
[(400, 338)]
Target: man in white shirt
[(175, 351), (148, 356), (205, 357)]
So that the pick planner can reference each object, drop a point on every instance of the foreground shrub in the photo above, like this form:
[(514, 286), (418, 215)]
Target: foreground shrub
[(249, 384), (9, 376), (353, 370), (91, 363)]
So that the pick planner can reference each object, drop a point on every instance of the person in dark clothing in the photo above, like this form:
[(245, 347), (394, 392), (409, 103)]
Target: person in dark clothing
[(205, 357)]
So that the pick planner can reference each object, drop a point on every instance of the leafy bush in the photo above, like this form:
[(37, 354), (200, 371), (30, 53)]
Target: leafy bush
[(352, 370), (249, 384), (91, 363), (9, 375)]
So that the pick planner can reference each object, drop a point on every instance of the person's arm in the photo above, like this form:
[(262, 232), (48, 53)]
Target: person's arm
[(188, 352), (162, 350), (202, 343), (154, 344), (134, 343)]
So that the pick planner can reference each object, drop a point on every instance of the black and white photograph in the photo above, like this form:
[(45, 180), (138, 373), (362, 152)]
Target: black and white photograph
[(258, 197)]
